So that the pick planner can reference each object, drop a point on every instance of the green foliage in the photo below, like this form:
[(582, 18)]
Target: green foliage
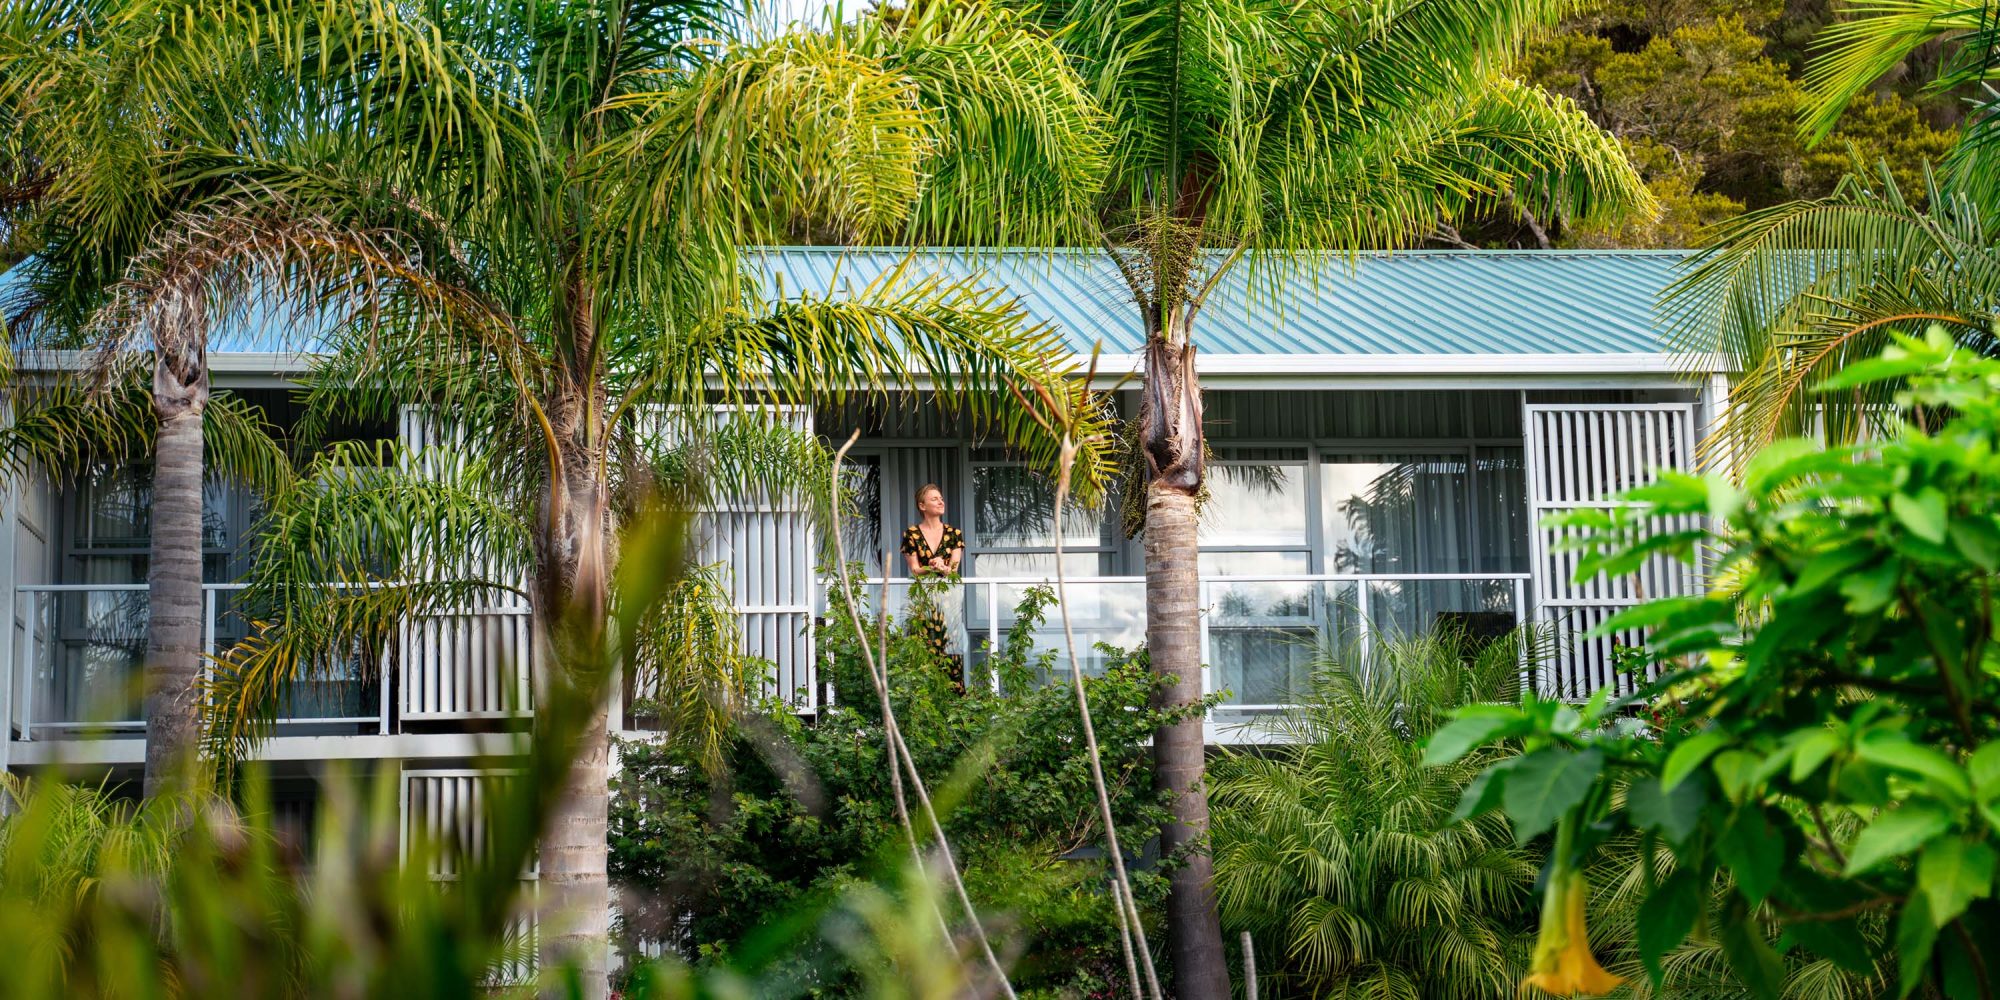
[(717, 865), (1705, 98), (1835, 748), (1341, 853)]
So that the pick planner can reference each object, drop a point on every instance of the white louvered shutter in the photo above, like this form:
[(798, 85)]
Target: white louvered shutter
[(466, 663), (1579, 455)]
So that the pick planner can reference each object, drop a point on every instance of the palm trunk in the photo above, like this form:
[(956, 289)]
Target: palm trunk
[(1171, 434), (173, 580), (574, 590)]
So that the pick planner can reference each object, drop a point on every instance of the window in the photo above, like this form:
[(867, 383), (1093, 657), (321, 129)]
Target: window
[(1254, 520), (1458, 511), (1013, 526)]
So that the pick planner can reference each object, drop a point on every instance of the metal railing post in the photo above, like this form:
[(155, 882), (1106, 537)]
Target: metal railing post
[(1201, 615), (1366, 640), (993, 632), (27, 674)]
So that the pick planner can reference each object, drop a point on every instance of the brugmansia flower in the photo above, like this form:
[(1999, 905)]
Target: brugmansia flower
[(1563, 964)]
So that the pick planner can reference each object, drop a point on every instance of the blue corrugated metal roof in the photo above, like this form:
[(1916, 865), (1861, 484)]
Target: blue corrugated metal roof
[(1529, 303), (1421, 302)]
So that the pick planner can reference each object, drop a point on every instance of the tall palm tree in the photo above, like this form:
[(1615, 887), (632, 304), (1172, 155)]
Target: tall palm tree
[(1256, 133), (107, 136), (525, 216), (1789, 294)]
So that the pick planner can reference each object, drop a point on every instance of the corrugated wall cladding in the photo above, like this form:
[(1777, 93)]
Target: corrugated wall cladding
[(1409, 302), (1579, 455), (1272, 415)]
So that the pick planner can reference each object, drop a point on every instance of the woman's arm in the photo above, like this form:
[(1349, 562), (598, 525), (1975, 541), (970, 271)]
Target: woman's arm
[(915, 568), (957, 557)]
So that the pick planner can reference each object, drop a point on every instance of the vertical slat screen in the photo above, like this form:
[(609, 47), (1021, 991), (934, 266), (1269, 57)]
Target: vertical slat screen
[(763, 547), (1579, 456), (444, 820), (468, 663)]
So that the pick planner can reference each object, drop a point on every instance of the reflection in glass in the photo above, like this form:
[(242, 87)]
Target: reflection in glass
[(1014, 508), (1250, 504), (1263, 637), (1479, 609), (861, 524), (1296, 563), (1396, 513)]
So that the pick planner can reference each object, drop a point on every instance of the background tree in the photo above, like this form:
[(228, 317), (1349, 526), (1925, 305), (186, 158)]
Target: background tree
[(1792, 293), (1251, 133), (1703, 95)]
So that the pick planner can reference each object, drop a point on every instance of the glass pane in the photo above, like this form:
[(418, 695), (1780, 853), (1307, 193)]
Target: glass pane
[(1396, 513), (1101, 614), (1501, 510), (1479, 609), (1013, 508), (1255, 563), (861, 524), (89, 647), (113, 510), (1038, 565), (1261, 503), (1264, 638)]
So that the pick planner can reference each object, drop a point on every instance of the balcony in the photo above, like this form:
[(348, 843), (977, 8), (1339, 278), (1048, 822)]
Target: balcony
[(1259, 634), (81, 646)]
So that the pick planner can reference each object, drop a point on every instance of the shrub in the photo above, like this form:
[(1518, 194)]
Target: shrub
[(1833, 759), (715, 864), (1339, 852)]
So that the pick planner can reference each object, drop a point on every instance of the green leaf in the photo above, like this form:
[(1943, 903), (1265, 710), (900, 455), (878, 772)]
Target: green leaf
[(1461, 735), (1483, 794), (1984, 767), (1667, 916), (1894, 833), (1872, 590), (1952, 872), (1769, 467), (1916, 933), (1546, 784), (1924, 514), (1754, 852), (1978, 540), (1689, 755), (1750, 956), (1811, 751), (1674, 815), (1915, 758)]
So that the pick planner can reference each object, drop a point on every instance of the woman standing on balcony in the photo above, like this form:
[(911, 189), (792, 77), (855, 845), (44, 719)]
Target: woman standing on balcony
[(933, 549)]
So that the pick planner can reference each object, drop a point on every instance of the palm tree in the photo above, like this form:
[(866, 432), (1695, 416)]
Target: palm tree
[(525, 217), (108, 133), (1255, 134), (1789, 294)]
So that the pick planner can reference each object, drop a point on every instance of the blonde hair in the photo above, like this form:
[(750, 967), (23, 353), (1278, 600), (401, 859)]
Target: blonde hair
[(926, 488)]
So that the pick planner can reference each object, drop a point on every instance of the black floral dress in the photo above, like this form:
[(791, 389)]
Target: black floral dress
[(925, 620)]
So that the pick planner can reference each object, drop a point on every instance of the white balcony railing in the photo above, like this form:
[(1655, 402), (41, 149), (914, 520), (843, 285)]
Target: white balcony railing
[(1259, 634), (77, 665)]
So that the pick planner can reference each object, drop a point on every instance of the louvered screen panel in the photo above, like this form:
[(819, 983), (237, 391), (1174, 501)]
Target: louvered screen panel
[(764, 550), (445, 820), (1580, 455), (473, 662)]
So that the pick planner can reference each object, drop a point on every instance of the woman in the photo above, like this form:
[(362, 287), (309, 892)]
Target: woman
[(933, 549)]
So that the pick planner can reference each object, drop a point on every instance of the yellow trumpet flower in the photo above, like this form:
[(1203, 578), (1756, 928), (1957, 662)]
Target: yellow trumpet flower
[(1563, 964)]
